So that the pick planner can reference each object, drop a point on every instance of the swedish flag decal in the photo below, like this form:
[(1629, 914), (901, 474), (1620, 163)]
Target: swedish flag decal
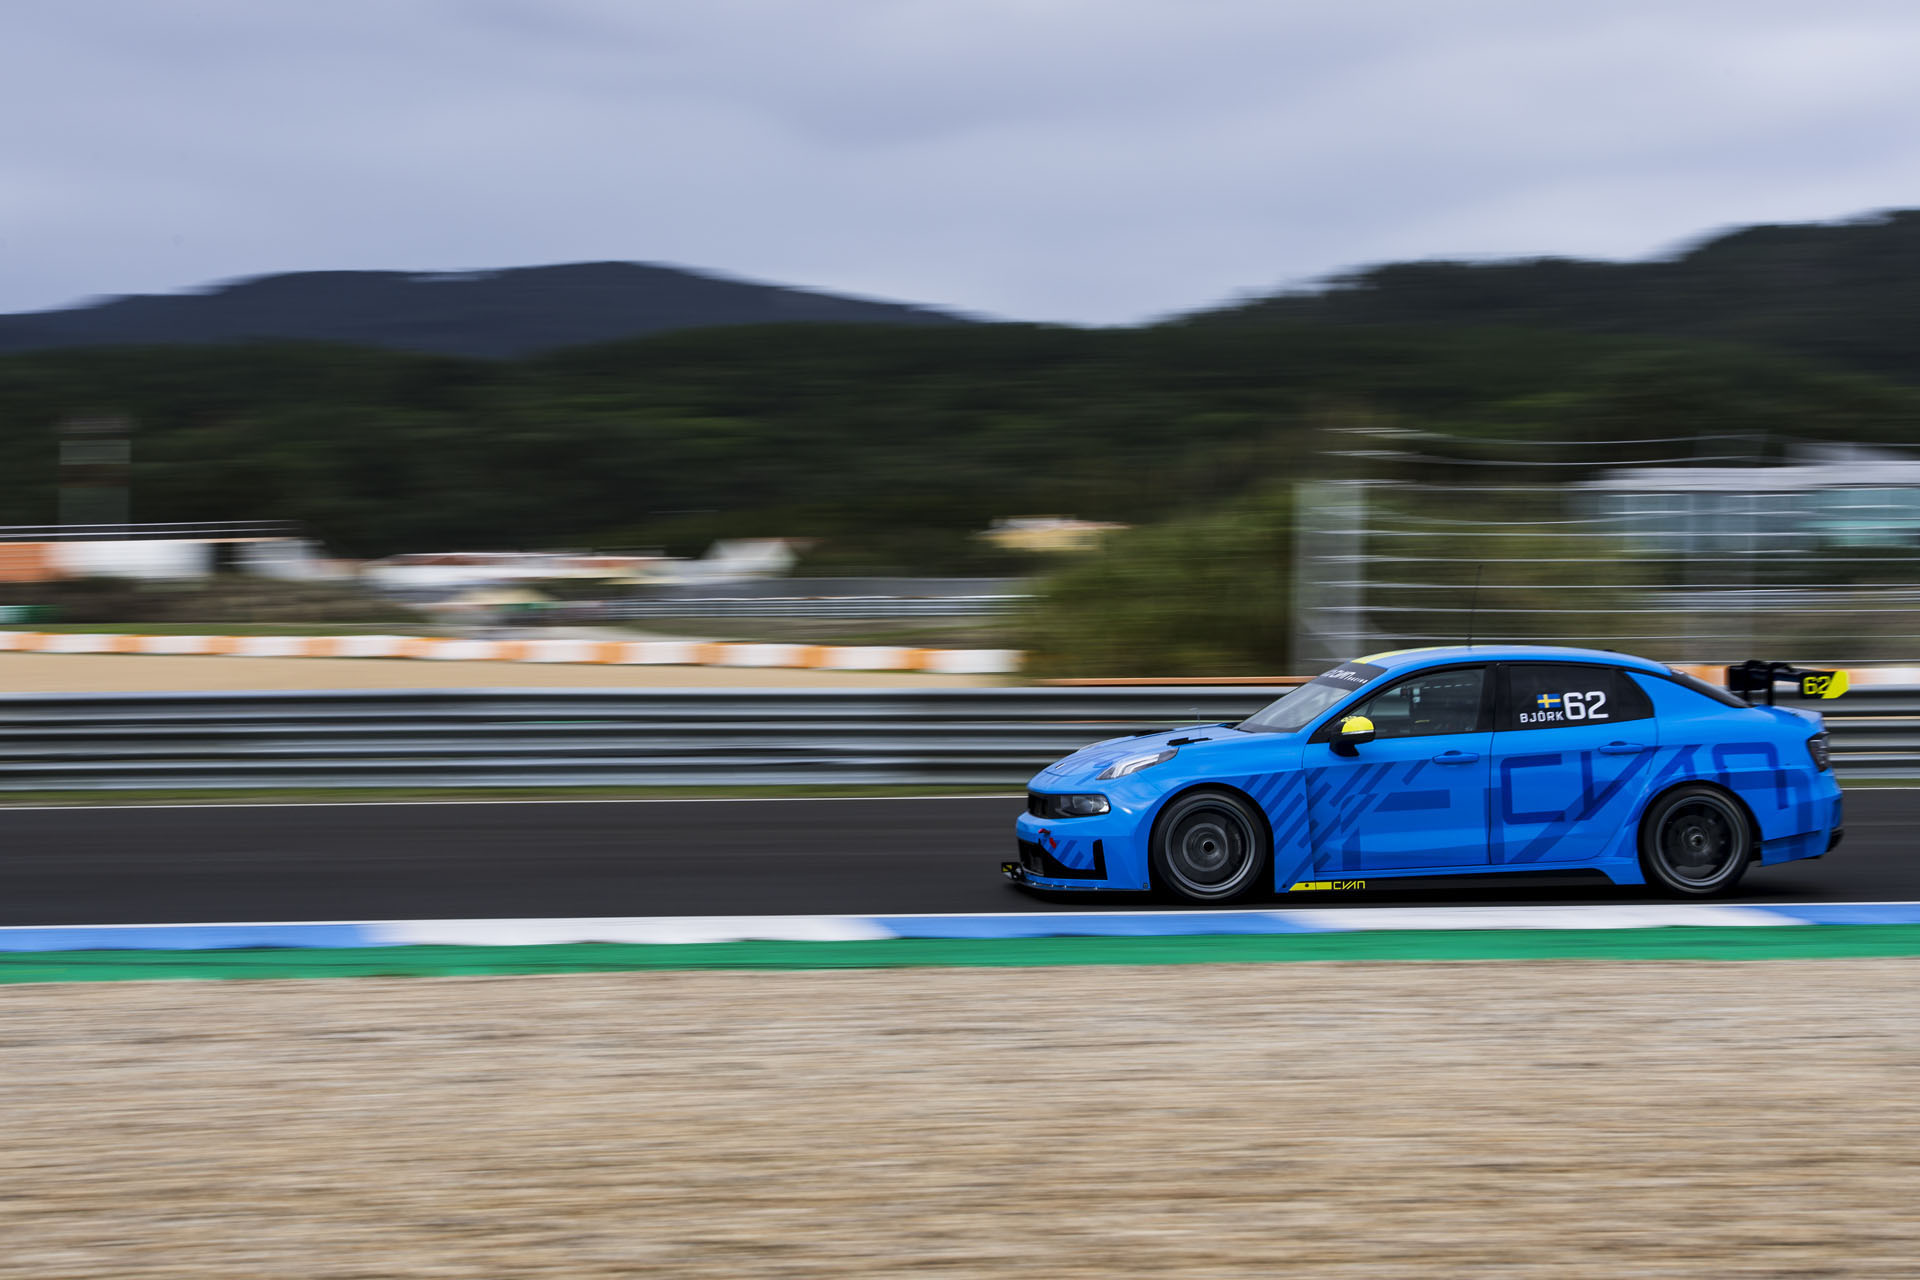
[(1548, 702)]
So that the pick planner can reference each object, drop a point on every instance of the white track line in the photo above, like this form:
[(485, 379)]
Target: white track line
[(889, 915)]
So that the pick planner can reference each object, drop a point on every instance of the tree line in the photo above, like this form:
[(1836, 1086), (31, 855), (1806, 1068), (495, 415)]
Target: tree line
[(890, 446)]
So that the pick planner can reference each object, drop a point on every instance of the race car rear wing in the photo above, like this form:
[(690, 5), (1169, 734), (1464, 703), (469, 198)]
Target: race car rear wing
[(1755, 676)]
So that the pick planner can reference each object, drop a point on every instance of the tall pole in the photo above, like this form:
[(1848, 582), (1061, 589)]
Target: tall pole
[(1329, 534), (96, 463), (1359, 637)]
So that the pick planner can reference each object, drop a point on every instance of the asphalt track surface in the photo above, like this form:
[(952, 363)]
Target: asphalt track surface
[(175, 864)]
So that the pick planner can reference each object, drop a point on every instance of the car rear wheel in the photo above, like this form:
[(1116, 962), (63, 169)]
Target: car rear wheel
[(1695, 842), (1209, 846)]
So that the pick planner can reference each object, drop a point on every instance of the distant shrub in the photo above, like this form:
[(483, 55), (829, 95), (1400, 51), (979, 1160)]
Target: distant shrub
[(1204, 595)]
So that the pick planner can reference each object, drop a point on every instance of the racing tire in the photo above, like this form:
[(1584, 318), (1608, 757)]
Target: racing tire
[(1695, 842), (1209, 847)]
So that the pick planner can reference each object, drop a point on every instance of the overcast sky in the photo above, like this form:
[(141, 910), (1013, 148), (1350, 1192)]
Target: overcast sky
[(1085, 160)]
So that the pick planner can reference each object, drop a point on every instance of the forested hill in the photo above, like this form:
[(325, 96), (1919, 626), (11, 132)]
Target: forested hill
[(484, 313), (893, 445), (1845, 293)]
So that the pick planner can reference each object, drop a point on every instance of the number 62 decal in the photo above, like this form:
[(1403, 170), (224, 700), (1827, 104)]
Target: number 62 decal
[(1585, 706)]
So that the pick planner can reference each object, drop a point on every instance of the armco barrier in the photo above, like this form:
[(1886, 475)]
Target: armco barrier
[(565, 737)]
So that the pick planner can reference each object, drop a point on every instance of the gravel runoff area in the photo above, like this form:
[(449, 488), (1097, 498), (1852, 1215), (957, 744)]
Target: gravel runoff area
[(1550, 1119), (148, 673)]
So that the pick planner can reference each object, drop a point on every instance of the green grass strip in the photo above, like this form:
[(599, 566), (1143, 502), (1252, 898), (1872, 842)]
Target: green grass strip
[(1783, 943)]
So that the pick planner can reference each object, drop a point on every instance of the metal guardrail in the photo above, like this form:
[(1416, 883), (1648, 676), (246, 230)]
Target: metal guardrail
[(560, 737)]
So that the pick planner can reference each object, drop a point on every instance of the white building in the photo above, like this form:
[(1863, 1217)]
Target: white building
[(1829, 496), (48, 553)]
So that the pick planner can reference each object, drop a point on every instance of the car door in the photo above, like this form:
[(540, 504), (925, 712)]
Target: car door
[(1416, 796), (1571, 756)]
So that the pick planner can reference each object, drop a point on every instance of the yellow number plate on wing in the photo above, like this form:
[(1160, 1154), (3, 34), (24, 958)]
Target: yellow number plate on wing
[(1827, 684)]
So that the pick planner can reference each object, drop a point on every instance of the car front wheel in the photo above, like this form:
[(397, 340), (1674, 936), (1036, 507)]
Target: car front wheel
[(1209, 847), (1695, 842)]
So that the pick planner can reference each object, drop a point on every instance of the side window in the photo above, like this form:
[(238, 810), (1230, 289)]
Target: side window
[(1429, 703), (1549, 696)]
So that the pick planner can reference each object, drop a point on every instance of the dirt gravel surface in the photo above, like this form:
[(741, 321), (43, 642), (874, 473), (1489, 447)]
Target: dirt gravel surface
[(152, 673), (1559, 1119)]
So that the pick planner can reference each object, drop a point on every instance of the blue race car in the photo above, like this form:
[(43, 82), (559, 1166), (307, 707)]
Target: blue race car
[(1444, 762)]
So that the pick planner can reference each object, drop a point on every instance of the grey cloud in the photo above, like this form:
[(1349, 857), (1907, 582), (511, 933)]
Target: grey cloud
[(1093, 160)]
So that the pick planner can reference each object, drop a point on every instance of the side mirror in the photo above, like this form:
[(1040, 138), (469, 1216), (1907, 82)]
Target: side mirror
[(1354, 731)]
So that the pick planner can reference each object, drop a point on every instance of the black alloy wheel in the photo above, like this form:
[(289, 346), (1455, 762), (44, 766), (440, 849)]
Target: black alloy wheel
[(1695, 842), (1209, 846)]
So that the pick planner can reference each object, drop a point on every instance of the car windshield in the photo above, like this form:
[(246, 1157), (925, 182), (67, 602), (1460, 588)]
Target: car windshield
[(1299, 708)]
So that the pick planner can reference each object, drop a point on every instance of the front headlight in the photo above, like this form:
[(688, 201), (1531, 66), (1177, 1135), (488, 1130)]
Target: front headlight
[(1134, 764), (1081, 806), (1047, 804)]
